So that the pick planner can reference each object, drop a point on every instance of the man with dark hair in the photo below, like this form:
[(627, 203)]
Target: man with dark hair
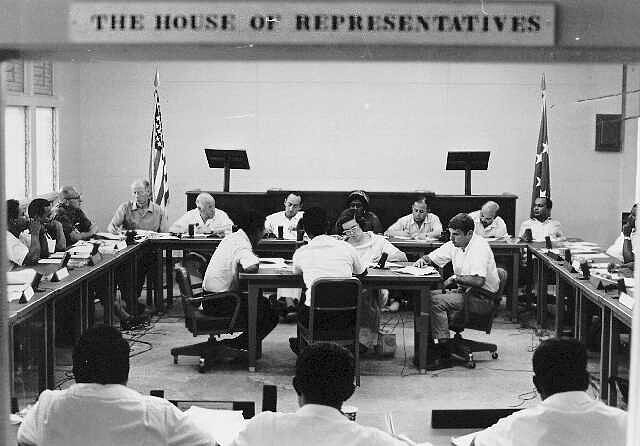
[(323, 382), (18, 252), (541, 223), (100, 409), (288, 219), (625, 245), (419, 225), (52, 236), (567, 415), (234, 254), (323, 256), (474, 274), (69, 213), (359, 201)]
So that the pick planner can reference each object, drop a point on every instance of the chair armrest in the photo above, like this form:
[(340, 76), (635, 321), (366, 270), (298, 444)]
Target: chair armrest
[(203, 296)]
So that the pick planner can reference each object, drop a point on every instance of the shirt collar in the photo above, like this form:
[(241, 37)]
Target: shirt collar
[(564, 399), (134, 206), (322, 411), (102, 390), (474, 237)]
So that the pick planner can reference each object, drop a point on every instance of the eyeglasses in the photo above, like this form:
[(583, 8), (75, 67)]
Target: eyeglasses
[(351, 231)]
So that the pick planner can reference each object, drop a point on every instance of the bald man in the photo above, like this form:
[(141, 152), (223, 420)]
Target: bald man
[(68, 212), (488, 223), (206, 217), (139, 213)]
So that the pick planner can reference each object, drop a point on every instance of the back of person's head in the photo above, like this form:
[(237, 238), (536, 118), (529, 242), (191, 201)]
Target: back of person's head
[(37, 207), (101, 356), (13, 209), (462, 222), (324, 375), (250, 221), (351, 214), (560, 365), (314, 221)]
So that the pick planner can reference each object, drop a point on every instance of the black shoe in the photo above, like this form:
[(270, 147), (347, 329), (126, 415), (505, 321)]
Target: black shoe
[(237, 343), (294, 345)]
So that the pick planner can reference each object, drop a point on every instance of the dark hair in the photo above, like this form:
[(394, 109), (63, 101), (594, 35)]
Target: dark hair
[(361, 196), (296, 193), (101, 356), (560, 365), (421, 199), (314, 221), (249, 221), (462, 222), (36, 207), (547, 201), (351, 214), (325, 374), (13, 209)]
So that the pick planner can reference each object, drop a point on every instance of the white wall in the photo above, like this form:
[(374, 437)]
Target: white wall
[(342, 125)]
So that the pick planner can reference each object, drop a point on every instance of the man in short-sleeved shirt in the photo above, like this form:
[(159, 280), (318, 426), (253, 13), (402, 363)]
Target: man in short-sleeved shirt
[(75, 224), (541, 223), (474, 273), (234, 253), (419, 225), (139, 213), (488, 223), (206, 218), (625, 246), (288, 219)]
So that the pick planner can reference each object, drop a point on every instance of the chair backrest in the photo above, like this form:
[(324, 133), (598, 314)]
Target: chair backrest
[(335, 299), (186, 292)]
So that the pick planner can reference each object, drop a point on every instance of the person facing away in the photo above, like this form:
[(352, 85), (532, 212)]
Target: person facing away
[(323, 382), (359, 201), (206, 218), (99, 409), (235, 254), (140, 212), (488, 223), (288, 218), (541, 223), (567, 415), (69, 213), (419, 225), (625, 245)]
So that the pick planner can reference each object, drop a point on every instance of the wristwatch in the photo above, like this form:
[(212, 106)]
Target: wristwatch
[(626, 237)]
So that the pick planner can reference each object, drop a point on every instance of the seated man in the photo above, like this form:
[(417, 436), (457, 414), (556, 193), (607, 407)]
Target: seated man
[(19, 253), (235, 254), (323, 381), (52, 235), (139, 213), (541, 223), (206, 218), (567, 415), (488, 223), (288, 218), (68, 212), (100, 409), (323, 256), (359, 200), (624, 247), (419, 225), (474, 274)]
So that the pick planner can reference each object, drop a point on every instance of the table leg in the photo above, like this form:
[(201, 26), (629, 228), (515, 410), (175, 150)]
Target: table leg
[(422, 310), (48, 377), (515, 278), (252, 315), (109, 297), (169, 276), (605, 343), (158, 297), (612, 399), (577, 308), (559, 306)]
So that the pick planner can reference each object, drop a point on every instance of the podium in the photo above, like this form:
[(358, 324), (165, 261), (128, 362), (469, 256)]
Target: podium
[(227, 160), (468, 161)]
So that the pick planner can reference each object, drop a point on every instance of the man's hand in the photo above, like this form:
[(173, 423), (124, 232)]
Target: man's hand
[(422, 262), (420, 236), (35, 227), (450, 282)]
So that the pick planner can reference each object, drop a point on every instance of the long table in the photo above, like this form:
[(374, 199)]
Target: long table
[(375, 279), (613, 313)]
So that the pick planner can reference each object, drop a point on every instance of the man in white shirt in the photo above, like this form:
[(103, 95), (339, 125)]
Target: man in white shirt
[(474, 275), (323, 256), (100, 409), (206, 218), (625, 245), (567, 415), (288, 218), (488, 223), (419, 225), (323, 381), (541, 223), (20, 254), (235, 254)]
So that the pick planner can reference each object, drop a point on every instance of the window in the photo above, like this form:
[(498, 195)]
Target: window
[(31, 119)]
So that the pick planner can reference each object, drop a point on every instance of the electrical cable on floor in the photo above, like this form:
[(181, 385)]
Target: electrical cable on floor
[(524, 397)]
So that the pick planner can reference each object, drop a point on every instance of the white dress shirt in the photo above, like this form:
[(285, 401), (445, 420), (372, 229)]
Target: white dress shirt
[(431, 225), (107, 415), (541, 229), (290, 225), (496, 229), (326, 256), (221, 275), (563, 419), (311, 425), (219, 223), (16, 250), (476, 259), (615, 250), (376, 244)]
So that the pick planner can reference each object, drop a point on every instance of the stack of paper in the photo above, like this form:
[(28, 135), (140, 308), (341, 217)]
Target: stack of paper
[(415, 271), (272, 262), (464, 440), (19, 283), (222, 425), (109, 236)]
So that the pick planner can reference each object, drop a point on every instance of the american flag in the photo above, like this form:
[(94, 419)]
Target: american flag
[(158, 158), (541, 180)]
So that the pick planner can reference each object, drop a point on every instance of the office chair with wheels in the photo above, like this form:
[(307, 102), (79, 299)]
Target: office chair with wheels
[(333, 316), (465, 348), (199, 323)]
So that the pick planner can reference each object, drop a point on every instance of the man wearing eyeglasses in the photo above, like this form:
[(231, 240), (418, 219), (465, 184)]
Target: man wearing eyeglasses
[(419, 225), (68, 212)]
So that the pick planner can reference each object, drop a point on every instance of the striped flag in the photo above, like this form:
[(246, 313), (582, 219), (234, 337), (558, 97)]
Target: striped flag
[(541, 180), (158, 157)]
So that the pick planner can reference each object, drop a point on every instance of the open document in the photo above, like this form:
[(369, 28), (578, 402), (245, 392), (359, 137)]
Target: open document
[(415, 271)]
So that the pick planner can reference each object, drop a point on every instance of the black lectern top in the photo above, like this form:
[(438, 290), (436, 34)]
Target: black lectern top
[(468, 160), (234, 159)]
